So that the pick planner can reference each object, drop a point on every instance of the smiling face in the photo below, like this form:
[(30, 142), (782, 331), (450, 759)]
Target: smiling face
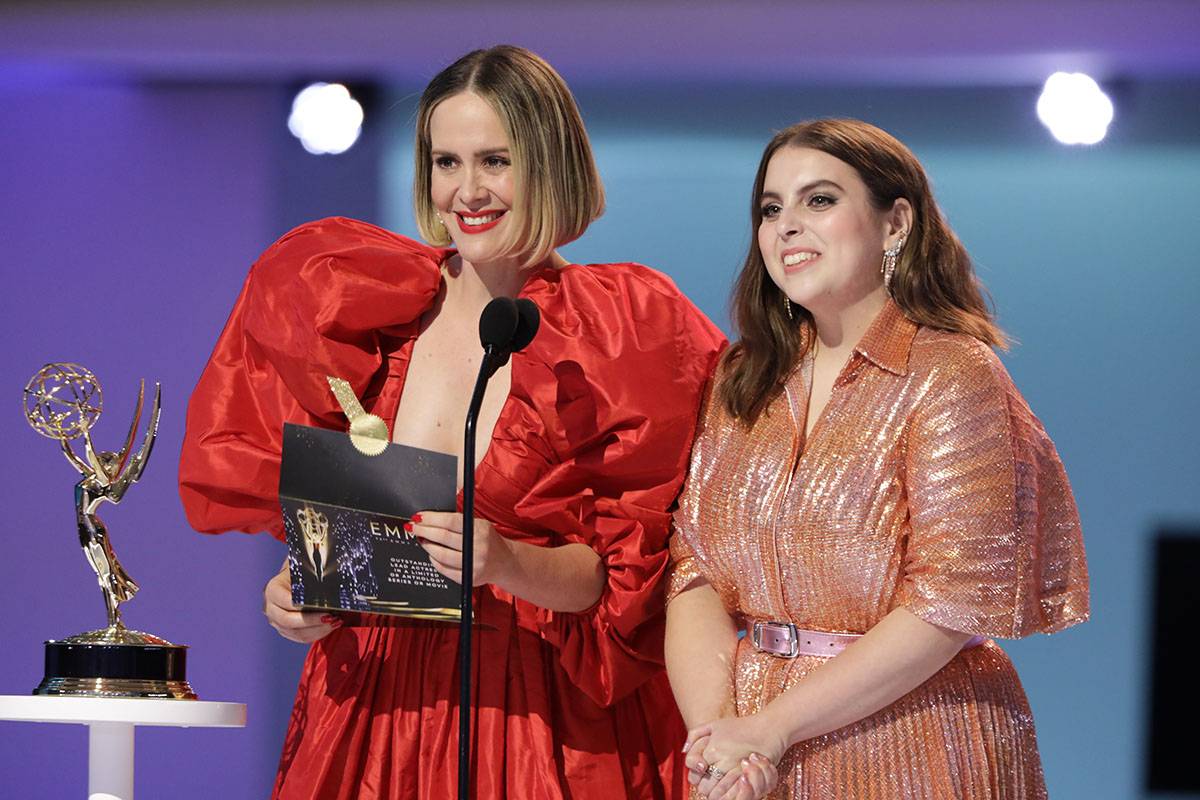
[(472, 184), (820, 237)]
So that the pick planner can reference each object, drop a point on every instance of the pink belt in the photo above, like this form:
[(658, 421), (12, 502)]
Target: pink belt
[(785, 640)]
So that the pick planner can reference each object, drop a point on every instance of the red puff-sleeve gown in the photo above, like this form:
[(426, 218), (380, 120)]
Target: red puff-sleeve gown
[(591, 446)]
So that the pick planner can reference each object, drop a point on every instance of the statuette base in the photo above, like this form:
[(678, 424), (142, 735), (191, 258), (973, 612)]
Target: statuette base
[(116, 662)]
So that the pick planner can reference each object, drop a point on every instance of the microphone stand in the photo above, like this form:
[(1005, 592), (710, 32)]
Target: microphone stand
[(505, 326), (486, 370)]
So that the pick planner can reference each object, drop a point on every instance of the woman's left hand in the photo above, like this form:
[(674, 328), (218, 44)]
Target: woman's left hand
[(440, 534), (723, 743)]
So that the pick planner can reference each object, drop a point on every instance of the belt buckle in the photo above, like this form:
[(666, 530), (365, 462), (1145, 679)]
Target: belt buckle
[(776, 638)]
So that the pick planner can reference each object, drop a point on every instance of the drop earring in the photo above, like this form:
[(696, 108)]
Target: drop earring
[(890, 256), (787, 304)]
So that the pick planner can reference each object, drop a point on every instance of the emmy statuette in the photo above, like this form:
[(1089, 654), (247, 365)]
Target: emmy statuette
[(63, 402)]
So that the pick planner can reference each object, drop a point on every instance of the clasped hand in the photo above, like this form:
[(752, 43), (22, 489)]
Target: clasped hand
[(734, 758)]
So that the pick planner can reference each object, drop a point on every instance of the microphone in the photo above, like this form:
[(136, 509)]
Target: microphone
[(498, 323), (506, 326), (530, 319)]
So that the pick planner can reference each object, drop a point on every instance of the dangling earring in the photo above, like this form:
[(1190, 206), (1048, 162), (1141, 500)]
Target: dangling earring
[(889, 262), (787, 303)]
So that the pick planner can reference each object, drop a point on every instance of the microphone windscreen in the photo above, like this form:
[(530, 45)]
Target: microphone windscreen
[(529, 318), (498, 323)]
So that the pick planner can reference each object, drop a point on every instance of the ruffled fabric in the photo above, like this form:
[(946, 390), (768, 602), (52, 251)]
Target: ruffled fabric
[(621, 378), (326, 299), (590, 447)]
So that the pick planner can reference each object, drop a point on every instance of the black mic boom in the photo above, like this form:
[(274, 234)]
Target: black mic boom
[(505, 326)]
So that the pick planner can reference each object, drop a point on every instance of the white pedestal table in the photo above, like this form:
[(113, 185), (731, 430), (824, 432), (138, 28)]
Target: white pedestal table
[(111, 721)]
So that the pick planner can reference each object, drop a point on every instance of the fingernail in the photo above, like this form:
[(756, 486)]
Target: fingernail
[(416, 517), (686, 745), (744, 780), (408, 525), (745, 763)]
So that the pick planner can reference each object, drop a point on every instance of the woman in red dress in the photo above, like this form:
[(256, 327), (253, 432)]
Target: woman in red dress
[(584, 439)]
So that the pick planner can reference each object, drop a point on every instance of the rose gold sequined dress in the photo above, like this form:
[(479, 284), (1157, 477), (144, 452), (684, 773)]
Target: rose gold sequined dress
[(926, 483)]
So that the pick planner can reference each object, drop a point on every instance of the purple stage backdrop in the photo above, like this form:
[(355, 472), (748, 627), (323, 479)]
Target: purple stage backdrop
[(129, 216)]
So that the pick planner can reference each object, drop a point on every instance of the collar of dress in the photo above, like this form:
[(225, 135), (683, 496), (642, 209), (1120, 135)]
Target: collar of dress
[(887, 342)]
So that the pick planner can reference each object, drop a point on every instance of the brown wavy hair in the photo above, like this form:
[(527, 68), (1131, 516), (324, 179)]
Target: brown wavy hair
[(556, 180), (934, 283)]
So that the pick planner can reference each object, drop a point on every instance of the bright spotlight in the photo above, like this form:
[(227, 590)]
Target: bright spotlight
[(325, 118), (1074, 108)]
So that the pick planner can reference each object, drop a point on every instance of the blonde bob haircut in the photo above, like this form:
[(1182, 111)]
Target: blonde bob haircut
[(558, 188)]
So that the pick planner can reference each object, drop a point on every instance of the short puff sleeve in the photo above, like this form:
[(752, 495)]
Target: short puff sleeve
[(688, 559), (686, 566), (995, 547)]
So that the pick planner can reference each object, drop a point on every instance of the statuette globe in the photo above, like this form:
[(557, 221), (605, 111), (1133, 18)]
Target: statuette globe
[(63, 400)]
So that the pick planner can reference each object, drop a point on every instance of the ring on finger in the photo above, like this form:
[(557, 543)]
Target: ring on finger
[(715, 773)]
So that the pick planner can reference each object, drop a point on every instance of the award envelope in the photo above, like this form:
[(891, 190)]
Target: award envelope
[(344, 515)]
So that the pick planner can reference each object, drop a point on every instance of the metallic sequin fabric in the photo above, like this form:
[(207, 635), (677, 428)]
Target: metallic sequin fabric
[(926, 483)]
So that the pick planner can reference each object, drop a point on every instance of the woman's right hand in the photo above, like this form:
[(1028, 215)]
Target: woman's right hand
[(751, 742), (304, 627), (755, 779)]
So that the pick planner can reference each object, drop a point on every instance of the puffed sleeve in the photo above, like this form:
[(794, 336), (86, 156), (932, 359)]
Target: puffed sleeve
[(688, 561), (995, 547), (685, 565), (316, 303), (628, 378)]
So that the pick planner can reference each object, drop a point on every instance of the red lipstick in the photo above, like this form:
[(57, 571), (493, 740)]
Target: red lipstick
[(487, 226)]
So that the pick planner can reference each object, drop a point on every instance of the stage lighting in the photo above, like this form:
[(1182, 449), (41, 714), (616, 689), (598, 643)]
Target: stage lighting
[(325, 118), (1074, 108)]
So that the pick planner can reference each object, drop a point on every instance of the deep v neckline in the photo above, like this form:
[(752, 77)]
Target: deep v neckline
[(405, 357), (507, 408)]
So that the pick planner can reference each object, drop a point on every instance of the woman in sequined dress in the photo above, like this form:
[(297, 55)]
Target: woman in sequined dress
[(870, 499)]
